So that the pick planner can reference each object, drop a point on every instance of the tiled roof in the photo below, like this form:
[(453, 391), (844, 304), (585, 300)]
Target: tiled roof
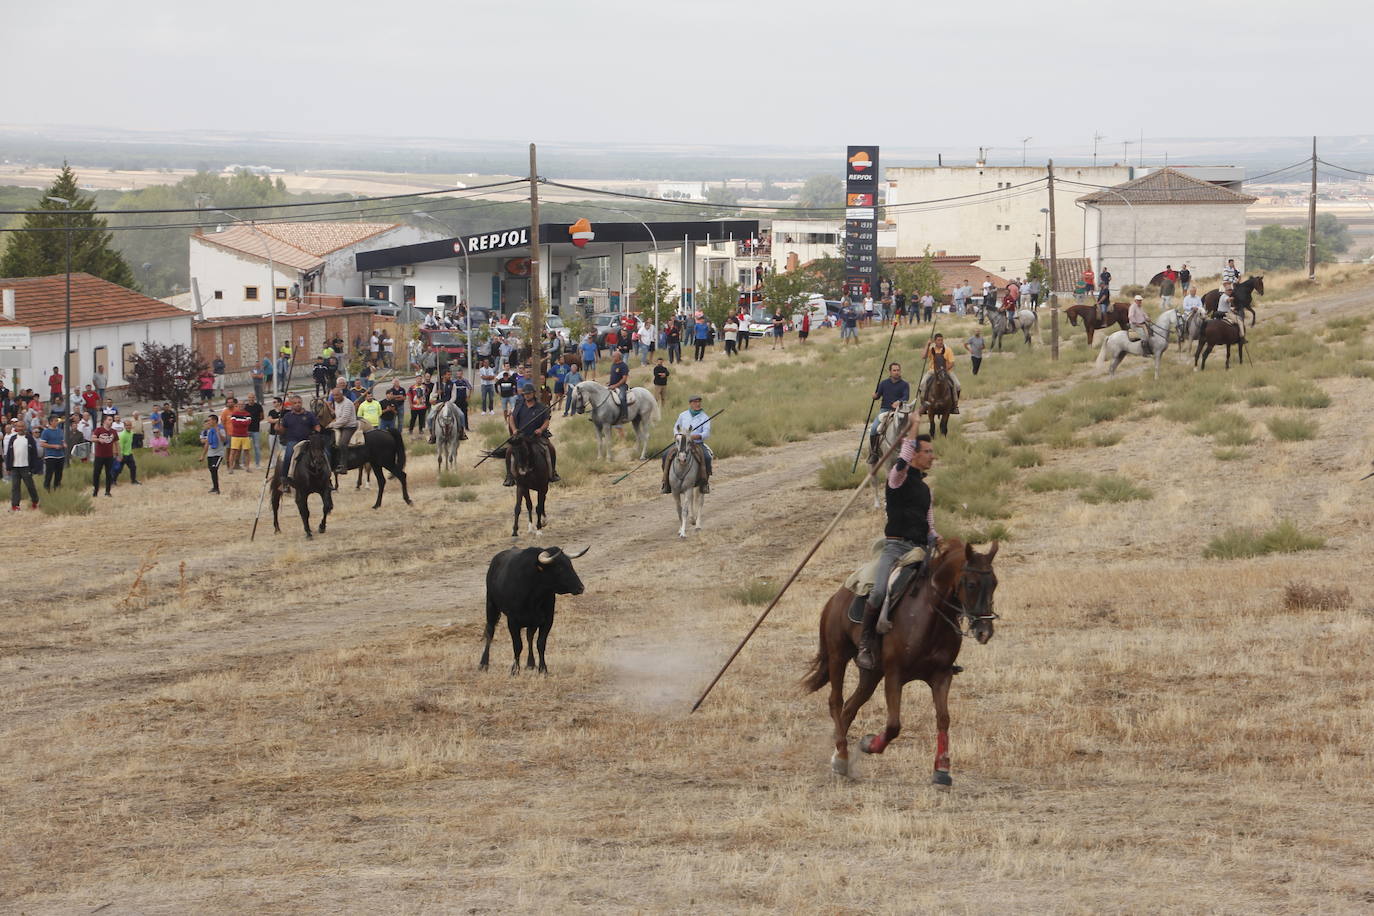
[(260, 245), (299, 245), (1068, 271), (956, 270), (1167, 186), (321, 239), (41, 303)]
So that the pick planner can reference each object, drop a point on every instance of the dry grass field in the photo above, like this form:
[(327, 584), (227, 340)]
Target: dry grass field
[(193, 723)]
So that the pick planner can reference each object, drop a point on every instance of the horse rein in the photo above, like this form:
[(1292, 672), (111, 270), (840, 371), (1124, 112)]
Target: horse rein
[(962, 614)]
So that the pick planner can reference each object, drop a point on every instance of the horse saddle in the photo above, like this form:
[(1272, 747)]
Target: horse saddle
[(861, 580)]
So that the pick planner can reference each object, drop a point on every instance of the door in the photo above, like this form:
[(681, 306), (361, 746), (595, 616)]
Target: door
[(100, 356)]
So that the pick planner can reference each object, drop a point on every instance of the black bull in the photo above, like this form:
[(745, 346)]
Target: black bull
[(383, 450), (523, 583)]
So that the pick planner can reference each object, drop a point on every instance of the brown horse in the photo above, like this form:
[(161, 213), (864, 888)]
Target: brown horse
[(939, 400), (1244, 297), (1092, 317), (927, 631), (1218, 332)]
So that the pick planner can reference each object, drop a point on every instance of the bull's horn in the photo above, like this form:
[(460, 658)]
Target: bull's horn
[(547, 556), (574, 556)]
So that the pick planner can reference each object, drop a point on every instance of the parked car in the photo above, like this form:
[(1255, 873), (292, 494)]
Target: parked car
[(450, 343), (551, 323), (602, 324)]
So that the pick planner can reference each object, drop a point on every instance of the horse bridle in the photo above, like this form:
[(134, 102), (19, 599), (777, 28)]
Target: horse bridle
[(981, 611)]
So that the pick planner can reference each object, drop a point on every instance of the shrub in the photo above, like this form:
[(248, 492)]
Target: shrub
[(1291, 429), (1048, 481), (65, 501), (1238, 543), (454, 478), (1262, 398), (1300, 596), (1106, 440), (996, 531), (1026, 458), (1228, 454), (1112, 489), (1303, 394), (838, 473), (1226, 427), (757, 591), (1362, 370)]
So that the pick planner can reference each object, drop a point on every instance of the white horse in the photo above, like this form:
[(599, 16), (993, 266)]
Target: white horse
[(888, 435), (1117, 345), (642, 411), (684, 477), (1026, 321), (446, 424)]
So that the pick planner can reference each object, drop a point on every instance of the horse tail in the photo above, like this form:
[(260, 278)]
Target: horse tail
[(400, 448), (1102, 354), (655, 413), (818, 675)]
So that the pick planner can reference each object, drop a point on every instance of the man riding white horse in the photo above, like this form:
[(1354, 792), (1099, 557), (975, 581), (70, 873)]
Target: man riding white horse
[(696, 425), (890, 392), (530, 420), (619, 383)]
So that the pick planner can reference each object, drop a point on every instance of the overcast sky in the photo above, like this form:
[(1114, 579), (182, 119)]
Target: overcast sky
[(912, 74)]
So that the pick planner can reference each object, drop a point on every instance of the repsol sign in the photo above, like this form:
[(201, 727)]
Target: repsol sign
[(494, 241)]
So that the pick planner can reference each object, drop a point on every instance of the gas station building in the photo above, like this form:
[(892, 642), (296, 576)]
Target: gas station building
[(587, 262)]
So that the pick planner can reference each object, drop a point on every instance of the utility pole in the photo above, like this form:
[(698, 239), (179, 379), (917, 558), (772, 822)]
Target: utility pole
[(536, 304), (1312, 219), (1054, 272)]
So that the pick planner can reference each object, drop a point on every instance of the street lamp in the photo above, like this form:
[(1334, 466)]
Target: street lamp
[(271, 288), (1135, 276), (67, 353), (653, 239), (1024, 141)]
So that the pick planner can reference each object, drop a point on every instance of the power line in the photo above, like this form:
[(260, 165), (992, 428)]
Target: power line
[(1343, 168)]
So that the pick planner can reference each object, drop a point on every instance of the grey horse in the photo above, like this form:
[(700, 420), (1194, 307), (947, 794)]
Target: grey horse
[(643, 412), (684, 476), (447, 426), (1025, 320), (888, 434)]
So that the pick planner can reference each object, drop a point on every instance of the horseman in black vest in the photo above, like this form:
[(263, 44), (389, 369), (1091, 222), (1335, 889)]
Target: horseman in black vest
[(910, 524)]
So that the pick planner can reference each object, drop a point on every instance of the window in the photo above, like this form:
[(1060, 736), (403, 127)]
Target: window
[(281, 293), (250, 293), (219, 294), (127, 354)]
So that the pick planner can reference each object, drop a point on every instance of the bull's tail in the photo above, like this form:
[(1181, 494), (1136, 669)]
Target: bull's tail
[(400, 448), (819, 673)]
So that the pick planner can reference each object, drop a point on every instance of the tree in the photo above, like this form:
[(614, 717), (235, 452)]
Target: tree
[(39, 251), (824, 275), (653, 289), (917, 278), (719, 302), (1038, 270), (786, 292), (1282, 248), (163, 373), (1333, 232), (822, 191)]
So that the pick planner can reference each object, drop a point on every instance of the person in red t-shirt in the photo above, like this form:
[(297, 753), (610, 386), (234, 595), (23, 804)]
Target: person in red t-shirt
[(1088, 284), (240, 442), (104, 440), (55, 385), (91, 398)]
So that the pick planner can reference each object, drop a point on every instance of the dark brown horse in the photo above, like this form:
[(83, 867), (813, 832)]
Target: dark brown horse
[(1244, 297), (923, 644), (312, 474), (939, 400), (530, 467), (1218, 332), (1091, 316)]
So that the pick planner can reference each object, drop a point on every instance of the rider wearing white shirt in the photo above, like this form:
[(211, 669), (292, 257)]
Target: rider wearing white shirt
[(697, 425), (1191, 302), (1141, 322)]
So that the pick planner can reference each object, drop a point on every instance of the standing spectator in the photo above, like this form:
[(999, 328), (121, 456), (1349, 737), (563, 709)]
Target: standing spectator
[(109, 410), (389, 351), (266, 370), (55, 386), (331, 369), (486, 375), (744, 334), (169, 422), (100, 380), (558, 372), (320, 375), (284, 360), (731, 334), (126, 452), (673, 333), (238, 422), (589, 353), (1104, 304), (21, 459), (898, 306), (274, 413), (90, 402), (217, 366), (207, 387), (504, 353), (396, 395), (570, 382), (374, 348), (778, 325), (957, 296), (868, 310), (212, 449), (54, 445), (1104, 278), (254, 408), (804, 331), (661, 382), (369, 411), (974, 346), (928, 306), (1185, 278), (505, 390), (849, 322), (258, 379), (103, 441), (701, 333), (1033, 289), (648, 336), (1166, 287), (1088, 285), (419, 404)]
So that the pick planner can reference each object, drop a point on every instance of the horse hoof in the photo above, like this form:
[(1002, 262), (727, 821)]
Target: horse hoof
[(866, 743), (839, 765), (515, 669), (941, 778)]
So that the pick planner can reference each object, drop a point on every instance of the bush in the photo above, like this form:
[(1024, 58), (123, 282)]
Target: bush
[(1238, 543), (189, 437), (1229, 454), (1302, 393), (1026, 458), (1048, 481), (996, 531), (69, 500), (1291, 429), (1226, 427), (1262, 398), (838, 473), (1106, 440), (1299, 596), (1112, 489), (454, 478), (757, 591)]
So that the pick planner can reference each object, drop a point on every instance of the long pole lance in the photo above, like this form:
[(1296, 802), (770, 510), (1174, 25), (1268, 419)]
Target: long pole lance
[(1366, 477), (265, 478), (869, 417), (665, 448), (800, 566)]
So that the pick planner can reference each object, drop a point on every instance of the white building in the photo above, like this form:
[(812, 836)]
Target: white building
[(1166, 218), (230, 267), (1004, 226), (108, 325)]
